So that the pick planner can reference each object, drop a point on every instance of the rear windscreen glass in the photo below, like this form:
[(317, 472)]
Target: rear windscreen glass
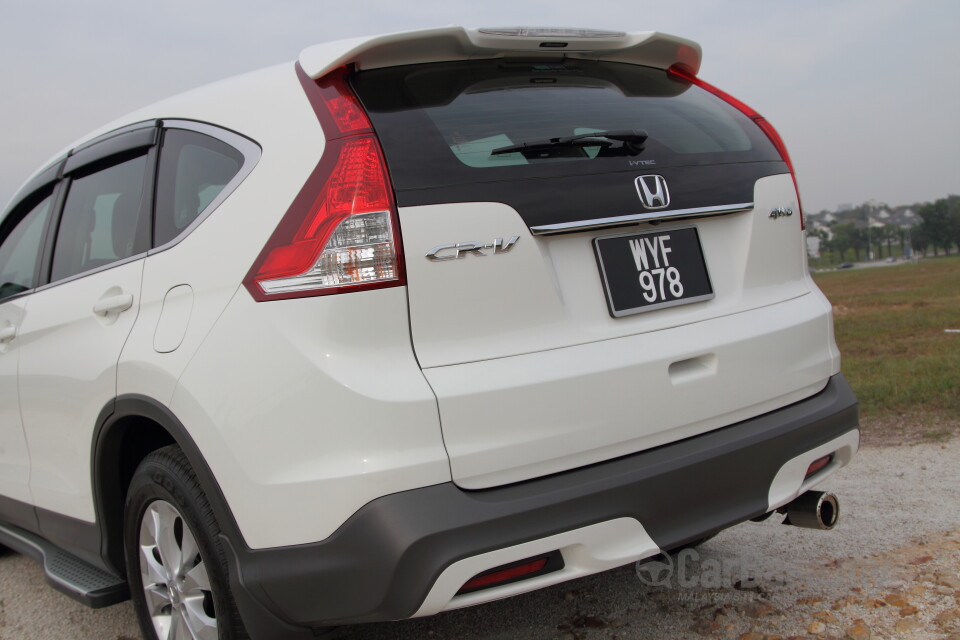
[(450, 123)]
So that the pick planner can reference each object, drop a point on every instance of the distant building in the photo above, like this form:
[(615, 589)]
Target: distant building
[(905, 217)]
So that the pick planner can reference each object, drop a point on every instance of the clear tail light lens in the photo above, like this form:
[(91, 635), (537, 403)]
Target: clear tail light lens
[(360, 251), (341, 233)]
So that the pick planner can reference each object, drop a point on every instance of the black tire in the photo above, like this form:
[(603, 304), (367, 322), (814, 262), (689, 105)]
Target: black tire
[(167, 514)]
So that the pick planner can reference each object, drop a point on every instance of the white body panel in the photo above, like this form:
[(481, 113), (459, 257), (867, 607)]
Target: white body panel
[(533, 376), (305, 414), (61, 468), (14, 456), (511, 419), (247, 217), (212, 276), (546, 292), (68, 374)]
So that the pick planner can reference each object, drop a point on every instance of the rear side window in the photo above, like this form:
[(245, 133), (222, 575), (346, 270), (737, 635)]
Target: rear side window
[(100, 219), (460, 121), (20, 251), (194, 169)]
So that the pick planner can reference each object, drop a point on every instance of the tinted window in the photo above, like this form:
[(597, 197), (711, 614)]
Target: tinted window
[(100, 219), (448, 119), (194, 169), (20, 251)]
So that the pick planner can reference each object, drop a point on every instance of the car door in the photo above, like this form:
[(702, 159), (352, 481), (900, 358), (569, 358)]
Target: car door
[(78, 322), (21, 235)]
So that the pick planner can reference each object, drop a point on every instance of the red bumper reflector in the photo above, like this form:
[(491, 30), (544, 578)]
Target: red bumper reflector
[(496, 576), (818, 464)]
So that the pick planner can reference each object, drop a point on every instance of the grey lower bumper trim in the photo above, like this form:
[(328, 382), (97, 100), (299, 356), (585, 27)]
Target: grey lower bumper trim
[(382, 562)]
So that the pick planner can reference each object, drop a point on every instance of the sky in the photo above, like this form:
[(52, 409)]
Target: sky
[(864, 92)]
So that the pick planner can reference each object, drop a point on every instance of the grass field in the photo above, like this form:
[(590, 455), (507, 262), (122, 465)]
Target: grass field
[(891, 324)]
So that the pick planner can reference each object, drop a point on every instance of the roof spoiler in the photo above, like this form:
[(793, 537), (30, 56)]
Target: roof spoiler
[(648, 48)]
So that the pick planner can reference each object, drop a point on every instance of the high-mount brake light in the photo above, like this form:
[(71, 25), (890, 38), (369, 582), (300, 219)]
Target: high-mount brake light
[(341, 233), (550, 32), (682, 71)]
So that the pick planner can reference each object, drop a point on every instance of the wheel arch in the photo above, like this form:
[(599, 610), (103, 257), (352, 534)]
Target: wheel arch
[(128, 429)]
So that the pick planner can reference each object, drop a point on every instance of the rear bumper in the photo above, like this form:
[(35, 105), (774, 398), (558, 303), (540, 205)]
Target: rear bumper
[(391, 558)]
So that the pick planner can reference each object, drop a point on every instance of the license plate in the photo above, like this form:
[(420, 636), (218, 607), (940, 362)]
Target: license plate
[(647, 271)]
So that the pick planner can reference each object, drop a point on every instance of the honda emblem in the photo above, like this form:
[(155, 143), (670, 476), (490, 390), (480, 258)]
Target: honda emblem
[(653, 192)]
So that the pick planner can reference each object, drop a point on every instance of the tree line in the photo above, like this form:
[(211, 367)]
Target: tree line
[(941, 225), (938, 231)]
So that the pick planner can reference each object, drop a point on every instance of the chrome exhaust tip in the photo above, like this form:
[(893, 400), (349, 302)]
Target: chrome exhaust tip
[(813, 510)]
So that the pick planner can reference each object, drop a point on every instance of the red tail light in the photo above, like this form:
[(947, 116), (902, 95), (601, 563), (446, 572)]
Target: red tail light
[(341, 105), (341, 233), (683, 72)]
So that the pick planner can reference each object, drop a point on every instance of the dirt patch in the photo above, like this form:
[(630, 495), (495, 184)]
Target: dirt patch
[(898, 430), (911, 592)]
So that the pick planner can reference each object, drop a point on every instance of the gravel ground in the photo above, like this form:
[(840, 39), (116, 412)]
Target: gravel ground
[(890, 569)]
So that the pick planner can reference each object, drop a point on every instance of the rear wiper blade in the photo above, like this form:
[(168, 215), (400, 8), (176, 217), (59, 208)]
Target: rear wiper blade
[(632, 139)]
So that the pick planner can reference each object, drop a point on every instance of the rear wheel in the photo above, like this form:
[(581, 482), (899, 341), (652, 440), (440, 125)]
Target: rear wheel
[(175, 567)]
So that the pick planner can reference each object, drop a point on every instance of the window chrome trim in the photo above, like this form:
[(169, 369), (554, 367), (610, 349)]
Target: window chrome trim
[(251, 152), (89, 272), (17, 296), (602, 223)]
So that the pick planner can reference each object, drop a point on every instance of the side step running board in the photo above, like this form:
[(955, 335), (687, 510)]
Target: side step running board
[(65, 572)]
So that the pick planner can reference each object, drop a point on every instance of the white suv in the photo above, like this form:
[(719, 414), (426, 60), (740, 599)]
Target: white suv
[(421, 321)]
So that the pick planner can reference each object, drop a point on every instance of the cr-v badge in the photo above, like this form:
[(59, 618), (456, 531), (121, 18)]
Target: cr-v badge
[(461, 249), (653, 192)]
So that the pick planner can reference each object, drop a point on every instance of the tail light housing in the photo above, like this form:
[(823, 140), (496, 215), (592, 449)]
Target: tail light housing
[(683, 73), (340, 233)]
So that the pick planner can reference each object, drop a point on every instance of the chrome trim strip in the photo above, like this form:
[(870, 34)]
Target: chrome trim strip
[(601, 223), (89, 272)]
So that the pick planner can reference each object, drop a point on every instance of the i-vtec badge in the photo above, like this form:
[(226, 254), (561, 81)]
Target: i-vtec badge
[(781, 212), (461, 249)]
